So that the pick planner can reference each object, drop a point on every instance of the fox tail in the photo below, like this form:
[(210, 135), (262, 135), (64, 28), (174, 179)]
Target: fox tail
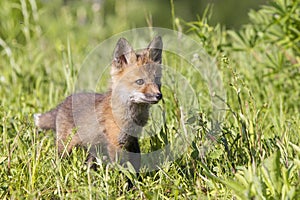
[(47, 120)]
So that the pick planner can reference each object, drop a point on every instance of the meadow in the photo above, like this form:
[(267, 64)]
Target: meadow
[(254, 153)]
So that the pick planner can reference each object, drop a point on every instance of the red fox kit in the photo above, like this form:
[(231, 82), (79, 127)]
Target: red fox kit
[(111, 121)]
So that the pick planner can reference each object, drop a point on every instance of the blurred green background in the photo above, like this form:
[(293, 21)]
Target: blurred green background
[(95, 20), (231, 13)]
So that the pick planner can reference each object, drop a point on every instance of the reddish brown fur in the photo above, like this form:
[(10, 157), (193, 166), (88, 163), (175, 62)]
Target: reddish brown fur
[(111, 120)]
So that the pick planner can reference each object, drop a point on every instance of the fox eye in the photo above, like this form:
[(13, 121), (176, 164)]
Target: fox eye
[(140, 81)]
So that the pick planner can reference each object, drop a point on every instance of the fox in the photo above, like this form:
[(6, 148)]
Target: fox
[(111, 121)]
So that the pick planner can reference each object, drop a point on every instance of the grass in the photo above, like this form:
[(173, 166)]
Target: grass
[(254, 155)]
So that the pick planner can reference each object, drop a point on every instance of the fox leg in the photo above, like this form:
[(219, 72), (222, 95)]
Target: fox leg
[(112, 151), (135, 157), (134, 153), (129, 152), (122, 155), (66, 141)]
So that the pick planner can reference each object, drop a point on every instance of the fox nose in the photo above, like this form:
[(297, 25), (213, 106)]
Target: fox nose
[(158, 96)]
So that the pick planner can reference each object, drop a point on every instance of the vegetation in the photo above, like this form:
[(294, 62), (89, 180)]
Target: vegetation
[(255, 155)]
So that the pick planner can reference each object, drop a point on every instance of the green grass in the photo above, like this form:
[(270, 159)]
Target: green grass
[(255, 155)]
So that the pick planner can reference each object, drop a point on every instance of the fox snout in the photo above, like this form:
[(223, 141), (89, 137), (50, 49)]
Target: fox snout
[(154, 98), (148, 98), (158, 96)]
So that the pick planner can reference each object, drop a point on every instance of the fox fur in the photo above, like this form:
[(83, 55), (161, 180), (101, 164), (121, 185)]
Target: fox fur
[(111, 121)]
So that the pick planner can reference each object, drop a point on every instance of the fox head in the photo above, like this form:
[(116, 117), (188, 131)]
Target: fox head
[(136, 77)]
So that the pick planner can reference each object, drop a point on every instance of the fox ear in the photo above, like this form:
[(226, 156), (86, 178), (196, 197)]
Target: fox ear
[(123, 53), (155, 49)]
